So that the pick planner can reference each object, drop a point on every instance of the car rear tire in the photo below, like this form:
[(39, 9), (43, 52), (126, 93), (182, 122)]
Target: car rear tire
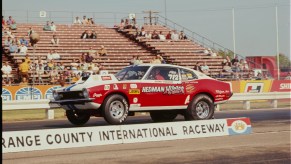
[(115, 109), (200, 108), (77, 117), (163, 116)]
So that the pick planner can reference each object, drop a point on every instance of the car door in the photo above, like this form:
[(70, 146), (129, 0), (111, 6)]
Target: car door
[(162, 87), (190, 83)]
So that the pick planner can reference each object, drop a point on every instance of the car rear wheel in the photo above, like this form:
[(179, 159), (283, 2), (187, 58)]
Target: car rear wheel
[(115, 109), (200, 108), (77, 117), (163, 116)]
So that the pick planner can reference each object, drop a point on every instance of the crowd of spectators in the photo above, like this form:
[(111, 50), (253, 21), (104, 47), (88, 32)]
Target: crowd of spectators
[(84, 21), (50, 26)]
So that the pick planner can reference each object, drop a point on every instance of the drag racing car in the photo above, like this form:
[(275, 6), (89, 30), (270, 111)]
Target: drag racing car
[(163, 90)]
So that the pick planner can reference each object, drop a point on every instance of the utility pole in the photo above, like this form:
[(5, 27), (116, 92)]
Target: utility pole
[(277, 40), (233, 33), (150, 17)]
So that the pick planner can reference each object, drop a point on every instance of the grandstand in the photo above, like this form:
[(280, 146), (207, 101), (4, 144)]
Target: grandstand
[(119, 45)]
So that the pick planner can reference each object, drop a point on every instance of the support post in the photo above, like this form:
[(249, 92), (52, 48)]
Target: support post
[(217, 107), (50, 113), (247, 105), (274, 103)]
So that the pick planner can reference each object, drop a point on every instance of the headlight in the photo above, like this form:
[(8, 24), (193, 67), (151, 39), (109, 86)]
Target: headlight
[(85, 93), (55, 95)]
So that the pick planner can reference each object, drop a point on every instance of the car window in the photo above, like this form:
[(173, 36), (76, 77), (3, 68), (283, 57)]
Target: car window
[(132, 73), (164, 73), (187, 75)]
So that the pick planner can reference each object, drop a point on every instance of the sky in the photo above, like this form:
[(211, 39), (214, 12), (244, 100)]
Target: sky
[(253, 22)]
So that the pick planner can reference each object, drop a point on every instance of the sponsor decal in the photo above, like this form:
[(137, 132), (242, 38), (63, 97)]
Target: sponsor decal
[(134, 91), (124, 86), (218, 99), (190, 88), (165, 90), (6, 95), (104, 78), (254, 87), (115, 87), (220, 96), (239, 126), (28, 93), (135, 100), (187, 100), (30, 140), (97, 95), (222, 91), (106, 87), (133, 86), (49, 93), (285, 86)]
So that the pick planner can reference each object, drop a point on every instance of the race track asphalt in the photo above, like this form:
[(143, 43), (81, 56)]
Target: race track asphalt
[(268, 143)]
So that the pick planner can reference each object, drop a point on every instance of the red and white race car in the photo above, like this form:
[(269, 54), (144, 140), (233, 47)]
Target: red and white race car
[(163, 90)]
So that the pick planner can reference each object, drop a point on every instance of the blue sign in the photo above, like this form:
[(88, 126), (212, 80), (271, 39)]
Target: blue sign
[(49, 92), (6, 95), (28, 93)]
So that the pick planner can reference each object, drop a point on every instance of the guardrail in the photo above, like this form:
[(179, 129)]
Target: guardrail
[(245, 97)]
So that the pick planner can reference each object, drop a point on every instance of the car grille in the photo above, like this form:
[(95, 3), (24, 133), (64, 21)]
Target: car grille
[(71, 95)]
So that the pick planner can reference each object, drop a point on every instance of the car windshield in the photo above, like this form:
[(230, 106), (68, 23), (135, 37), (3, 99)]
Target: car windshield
[(132, 73)]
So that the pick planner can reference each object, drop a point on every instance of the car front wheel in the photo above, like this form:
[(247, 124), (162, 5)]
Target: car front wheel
[(163, 116), (115, 109), (77, 117), (200, 108)]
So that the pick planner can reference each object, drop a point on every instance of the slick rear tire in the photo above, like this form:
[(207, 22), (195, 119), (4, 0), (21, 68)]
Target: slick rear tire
[(163, 116), (200, 108), (115, 109), (77, 117)]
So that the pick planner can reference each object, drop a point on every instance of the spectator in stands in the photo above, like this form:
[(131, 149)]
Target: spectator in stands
[(9, 33), (83, 57), (161, 36), (127, 25), (93, 35), (227, 67), (16, 41), (53, 27), (157, 60), (121, 25), (197, 67), (235, 67), (49, 56), (39, 61), (88, 58), (3, 22), (27, 59), (235, 60), (220, 75), (132, 60), (205, 68), (10, 21), (226, 60), (259, 76), (55, 41), (30, 31), (8, 42), (24, 41), (85, 35), (148, 35), (23, 49), (182, 36), (91, 21), (168, 36), (155, 35), (175, 36), (56, 56), (39, 72), (23, 69), (288, 77), (136, 60), (47, 27), (77, 20), (142, 32), (24, 81), (84, 21), (58, 66), (102, 51), (50, 65), (13, 48), (6, 71)]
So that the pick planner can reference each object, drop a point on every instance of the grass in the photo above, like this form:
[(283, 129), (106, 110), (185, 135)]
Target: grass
[(39, 114)]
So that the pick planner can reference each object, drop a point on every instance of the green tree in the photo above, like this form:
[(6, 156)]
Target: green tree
[(284, 61)]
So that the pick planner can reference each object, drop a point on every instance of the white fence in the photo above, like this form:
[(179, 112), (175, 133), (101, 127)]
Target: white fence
[(245, 97)]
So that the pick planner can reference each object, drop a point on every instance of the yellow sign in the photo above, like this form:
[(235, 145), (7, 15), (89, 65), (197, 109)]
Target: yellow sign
[(134, 91)]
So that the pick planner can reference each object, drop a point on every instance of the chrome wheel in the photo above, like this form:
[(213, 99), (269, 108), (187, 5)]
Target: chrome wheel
[(202, 109), (116, 109)]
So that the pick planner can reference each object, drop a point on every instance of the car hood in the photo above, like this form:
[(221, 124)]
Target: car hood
[(91, 81)]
